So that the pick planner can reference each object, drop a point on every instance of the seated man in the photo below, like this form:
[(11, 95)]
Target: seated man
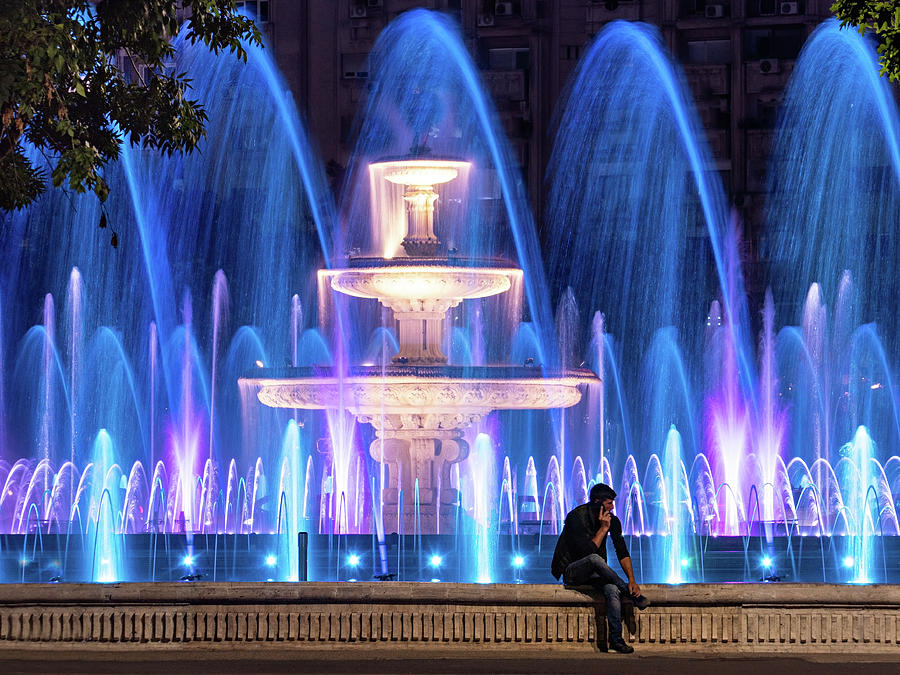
[(580, 558)]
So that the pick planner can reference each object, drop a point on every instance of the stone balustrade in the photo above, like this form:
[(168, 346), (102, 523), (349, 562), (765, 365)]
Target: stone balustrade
[(719, 618)]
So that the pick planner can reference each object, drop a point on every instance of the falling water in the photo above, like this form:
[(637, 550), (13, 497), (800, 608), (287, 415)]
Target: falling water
[(126, 417)]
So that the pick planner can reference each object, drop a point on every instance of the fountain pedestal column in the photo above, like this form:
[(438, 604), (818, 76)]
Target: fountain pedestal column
[(418, 456), (420, 329)]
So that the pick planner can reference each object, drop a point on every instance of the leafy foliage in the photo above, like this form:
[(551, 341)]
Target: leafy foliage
[(880, 16), (63, 88)]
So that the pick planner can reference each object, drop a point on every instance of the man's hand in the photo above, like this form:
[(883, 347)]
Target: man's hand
[(605, 518), (633, 588)]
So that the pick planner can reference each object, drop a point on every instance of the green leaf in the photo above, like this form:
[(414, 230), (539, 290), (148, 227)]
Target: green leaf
[(69, 55)]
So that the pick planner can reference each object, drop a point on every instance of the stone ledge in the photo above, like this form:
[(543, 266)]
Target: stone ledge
[(397, 592), (795, 618)]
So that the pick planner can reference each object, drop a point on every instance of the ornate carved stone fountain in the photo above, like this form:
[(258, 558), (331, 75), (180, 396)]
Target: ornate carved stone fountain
[(419, 405)]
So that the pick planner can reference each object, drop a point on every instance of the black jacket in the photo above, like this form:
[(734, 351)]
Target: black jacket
[(576, 543)]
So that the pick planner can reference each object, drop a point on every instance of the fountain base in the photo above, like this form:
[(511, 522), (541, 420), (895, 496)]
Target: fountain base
[(419, 414)]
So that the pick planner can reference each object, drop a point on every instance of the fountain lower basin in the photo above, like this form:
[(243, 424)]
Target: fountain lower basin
[(419, 413), (414, 391)]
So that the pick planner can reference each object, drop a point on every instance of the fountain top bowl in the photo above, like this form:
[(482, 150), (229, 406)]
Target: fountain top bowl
[(420, 170)]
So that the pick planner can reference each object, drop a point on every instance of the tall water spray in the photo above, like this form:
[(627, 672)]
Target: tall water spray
[(638, 219), (831, 224), (264, 223), (126, 417)]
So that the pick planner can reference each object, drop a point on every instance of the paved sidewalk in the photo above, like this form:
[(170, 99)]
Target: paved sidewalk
[(271, 661)]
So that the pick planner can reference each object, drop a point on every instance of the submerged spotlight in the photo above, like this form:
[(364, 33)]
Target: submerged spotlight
[(685, 562), (436, 560), (353, 560), (518, 561), (766, 562), (188, 561), (848, 561), (271, 560)]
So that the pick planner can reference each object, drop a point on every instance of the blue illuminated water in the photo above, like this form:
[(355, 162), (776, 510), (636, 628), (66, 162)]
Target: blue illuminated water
[(120, 412), (146, 340)]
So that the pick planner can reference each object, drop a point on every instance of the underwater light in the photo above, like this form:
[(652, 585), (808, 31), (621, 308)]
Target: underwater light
[(259, 364), (685, 562), (518, 561), (436, 560), (766, 562), (271, 560), (848, 561), (353, 560), (188, 561)]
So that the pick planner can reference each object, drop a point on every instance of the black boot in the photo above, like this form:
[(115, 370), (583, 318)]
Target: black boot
[(619, 645)]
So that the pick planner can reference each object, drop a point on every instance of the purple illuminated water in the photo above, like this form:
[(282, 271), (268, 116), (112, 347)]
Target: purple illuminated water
[(119, 405)]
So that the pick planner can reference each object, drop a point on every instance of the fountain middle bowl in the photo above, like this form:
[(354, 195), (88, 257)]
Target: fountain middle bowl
[(404, 278)]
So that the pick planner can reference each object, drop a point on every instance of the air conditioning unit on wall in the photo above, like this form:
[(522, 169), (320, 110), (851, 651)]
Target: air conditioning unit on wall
[(485, 20), (715, 11), (358, 11), (503, 9), (769, 66), (789, 8)]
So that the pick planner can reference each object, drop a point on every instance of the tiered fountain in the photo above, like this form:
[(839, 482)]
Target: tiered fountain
[(419, 405)]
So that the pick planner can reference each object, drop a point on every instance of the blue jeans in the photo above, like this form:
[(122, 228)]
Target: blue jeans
[(592, 569)]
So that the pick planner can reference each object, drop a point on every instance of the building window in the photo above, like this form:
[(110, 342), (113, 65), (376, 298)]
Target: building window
[(709, 51), (783, 42), (711, 9), (509, 58), (355, 66), (570, 52), (258, 10), (757, 8)]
